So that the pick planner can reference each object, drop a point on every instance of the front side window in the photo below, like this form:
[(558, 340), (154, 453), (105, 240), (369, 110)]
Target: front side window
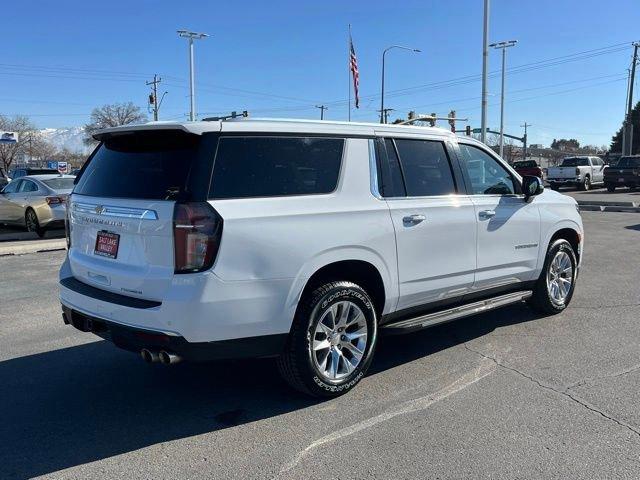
[(275, 166), (426, 168), (487, 175), (12, 187)]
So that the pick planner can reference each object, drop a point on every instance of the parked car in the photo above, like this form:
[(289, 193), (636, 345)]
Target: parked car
[(579, 172), (626, 173), (528, 167), (21, 172), (303, 240), (36, 202)]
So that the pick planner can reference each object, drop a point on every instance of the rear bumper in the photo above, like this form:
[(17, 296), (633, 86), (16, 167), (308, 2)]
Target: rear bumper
[(135, 339)]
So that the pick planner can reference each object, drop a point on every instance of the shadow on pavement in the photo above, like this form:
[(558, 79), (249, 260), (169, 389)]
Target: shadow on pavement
[(81, 404)]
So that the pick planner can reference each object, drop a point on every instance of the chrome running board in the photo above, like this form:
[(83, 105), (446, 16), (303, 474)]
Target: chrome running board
[(461, 311)]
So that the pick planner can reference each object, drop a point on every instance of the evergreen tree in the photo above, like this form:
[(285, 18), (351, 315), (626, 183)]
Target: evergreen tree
[(616, 140)]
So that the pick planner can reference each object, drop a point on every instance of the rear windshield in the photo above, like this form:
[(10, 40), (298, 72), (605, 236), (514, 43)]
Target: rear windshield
[(629, 162), (525, 164), (143, 165), (59, 183), (275, 166), (575, 162)]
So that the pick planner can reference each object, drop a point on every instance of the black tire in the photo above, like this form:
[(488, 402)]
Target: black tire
[(296, 364), (32, 223), (554, 186), (541, 299), (610, 188), (586, 184)]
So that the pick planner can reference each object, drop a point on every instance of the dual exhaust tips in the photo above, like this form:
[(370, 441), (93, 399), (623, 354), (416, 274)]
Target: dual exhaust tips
[(152, 356)]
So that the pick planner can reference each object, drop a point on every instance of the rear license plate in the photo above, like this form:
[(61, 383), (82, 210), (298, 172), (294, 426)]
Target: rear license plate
[(107, 244), (620, 179)]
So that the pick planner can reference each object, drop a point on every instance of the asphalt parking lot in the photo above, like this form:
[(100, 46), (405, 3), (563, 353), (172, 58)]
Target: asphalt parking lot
[(507, 394)]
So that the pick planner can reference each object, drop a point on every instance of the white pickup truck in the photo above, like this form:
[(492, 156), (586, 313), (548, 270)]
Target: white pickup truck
[(581, 172)]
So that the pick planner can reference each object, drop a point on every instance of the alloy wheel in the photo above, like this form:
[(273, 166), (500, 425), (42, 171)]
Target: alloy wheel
[(339, 340), (560, 278)]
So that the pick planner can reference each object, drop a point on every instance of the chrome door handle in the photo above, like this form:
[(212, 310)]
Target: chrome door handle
[(413, 219), (484, 214)]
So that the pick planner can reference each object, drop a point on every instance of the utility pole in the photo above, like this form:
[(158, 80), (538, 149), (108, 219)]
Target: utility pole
[(192, 82), (322, 109), (153, 98), (384, 115), (503, 46), (524, 140), (485, 58), (627, 131)]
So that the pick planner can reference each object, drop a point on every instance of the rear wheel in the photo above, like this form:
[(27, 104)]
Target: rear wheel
[(32, 223), (586, 184), (554, 186), (332, 340), (611, 188), (554, 289)]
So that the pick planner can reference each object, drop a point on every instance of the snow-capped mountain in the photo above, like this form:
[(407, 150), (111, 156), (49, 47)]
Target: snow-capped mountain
[(69, 138)]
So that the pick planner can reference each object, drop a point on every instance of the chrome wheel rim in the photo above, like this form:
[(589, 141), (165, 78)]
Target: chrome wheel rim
[(32, 221), (560, 278), (339, 340)]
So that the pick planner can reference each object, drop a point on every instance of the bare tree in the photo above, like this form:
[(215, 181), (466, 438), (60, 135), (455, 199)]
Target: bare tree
[(113, 115), (30, 142)]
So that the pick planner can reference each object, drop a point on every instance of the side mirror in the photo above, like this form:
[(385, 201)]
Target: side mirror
[(531, 186)]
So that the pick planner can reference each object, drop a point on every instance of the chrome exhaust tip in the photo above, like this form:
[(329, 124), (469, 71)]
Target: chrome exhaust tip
[(169, 358), (149, 356)]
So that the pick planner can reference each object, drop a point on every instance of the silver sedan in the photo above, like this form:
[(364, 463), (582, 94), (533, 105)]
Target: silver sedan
[(37, 202)]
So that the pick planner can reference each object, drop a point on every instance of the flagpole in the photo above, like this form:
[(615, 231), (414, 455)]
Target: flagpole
[(349, 70)]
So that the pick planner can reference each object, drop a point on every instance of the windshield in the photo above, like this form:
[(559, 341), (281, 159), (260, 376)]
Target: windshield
[(145, 165), (575, 162), (59, 183), (629, 162)]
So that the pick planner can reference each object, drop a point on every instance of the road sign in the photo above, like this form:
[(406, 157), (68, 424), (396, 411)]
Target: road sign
[(52, 164), (8, 137), (63, 167), (479, 130)]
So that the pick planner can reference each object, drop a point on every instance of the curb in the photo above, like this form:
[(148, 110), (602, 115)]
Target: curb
[(600, 203), (35, 246)]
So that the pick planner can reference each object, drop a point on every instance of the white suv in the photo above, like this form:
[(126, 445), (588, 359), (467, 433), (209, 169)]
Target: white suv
[(303, 240)]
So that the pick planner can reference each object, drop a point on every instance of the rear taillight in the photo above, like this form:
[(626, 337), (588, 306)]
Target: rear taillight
[(577, 171), (67, 222), (54, 200), (197, 230)]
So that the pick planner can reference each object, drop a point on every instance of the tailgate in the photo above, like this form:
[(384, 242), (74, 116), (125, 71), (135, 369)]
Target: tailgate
[(562, 172)]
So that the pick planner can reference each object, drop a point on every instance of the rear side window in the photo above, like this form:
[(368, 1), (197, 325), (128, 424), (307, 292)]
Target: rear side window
[(426, 168), (142, 165), (275, 166), (28, 186)]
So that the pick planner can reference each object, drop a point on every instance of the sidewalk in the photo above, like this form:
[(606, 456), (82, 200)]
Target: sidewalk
[(32, 246)]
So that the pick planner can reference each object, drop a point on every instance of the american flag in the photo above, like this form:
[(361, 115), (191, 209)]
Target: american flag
[(353, 66)]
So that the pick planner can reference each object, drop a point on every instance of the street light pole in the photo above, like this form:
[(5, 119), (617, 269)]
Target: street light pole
[(192, 81), (485, 58), (503, 46), (384, 53)]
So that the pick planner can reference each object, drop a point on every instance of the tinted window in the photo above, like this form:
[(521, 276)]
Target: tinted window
[(275, 166), (426, 168), (487, 175), (12, 187), (145, 165), (629, 162), (575, 162), (390, 175), (59, 183), (525, 164), (28, 186)]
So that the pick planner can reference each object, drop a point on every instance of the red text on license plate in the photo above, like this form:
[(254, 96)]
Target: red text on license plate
[(107, 244)]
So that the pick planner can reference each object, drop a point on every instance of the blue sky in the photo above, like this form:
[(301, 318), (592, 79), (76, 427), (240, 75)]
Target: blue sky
[(281, 58)]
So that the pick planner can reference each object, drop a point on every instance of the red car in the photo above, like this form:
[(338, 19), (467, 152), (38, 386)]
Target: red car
[(528, 167)]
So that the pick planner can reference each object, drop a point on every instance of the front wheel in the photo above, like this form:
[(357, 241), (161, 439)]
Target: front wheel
[(332, 340), (554, 289), (32, 223)]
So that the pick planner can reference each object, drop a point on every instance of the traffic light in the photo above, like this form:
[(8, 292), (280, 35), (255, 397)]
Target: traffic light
[(152, 99), (432, 120), (467, 130), (452, 120)]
